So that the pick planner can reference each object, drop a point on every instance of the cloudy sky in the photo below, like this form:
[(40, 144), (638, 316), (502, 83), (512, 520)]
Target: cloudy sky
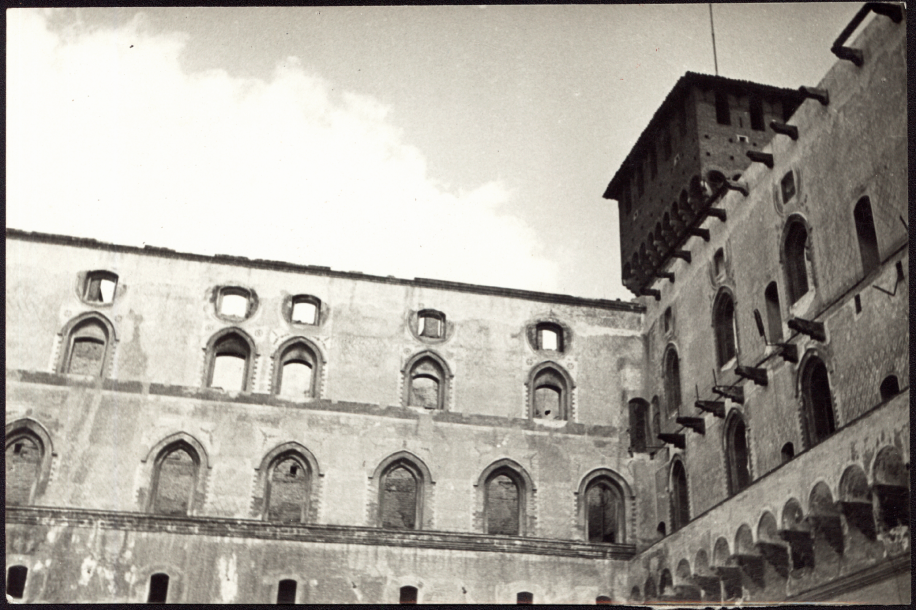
[(462, 143)]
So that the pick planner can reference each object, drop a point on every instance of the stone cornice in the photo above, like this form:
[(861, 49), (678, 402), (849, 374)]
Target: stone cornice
[(329, 534)]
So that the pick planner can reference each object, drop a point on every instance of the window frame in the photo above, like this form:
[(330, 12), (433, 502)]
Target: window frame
[(526, 491), (99, 274), (672, 380), (28, 427), (432, 314), (265, 471), (796, 259), (735, 483), (723, 358), (810, 434), (863, 220), (536, 381), (425, 485), (70, 334), (178, 445), (212, 354), (680, 506), (608, 477), (235, 290), (774, 313), (303, 463), (308, 299), (153, 461), (445, 374), (637, 406), (316, 361)]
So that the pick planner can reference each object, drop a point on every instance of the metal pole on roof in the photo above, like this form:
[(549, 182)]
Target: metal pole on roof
[(712, 27)]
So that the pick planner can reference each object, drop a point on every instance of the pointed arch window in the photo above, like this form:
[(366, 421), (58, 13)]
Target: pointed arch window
[(737, 454), (774, 317), (672, 380), (605, 511), (87, 346), (506, 488), (794, 255), (680, 501), (865, 232), (175, 480), (297, 370), (724, 325), (230, 356), (24, 457), (403, 484), (288, 487), (817, 404), (549, 390), (426, 383)]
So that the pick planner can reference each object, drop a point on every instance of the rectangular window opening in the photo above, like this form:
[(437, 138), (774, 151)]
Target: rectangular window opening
[(305, 313), (757, 115), (430, 327), (286, 592), (723, 116), (858, 301)]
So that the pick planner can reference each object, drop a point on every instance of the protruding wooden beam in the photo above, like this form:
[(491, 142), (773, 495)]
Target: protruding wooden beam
[(716, 407), (733, 393), (698, 232), (891, 10), (676, 439), (682, 254), (665, 275), (650, 292), (788, 351), (849, 54), (821, 95), (717, 212), (777, 555), (786, 130), (734, 185), (757, 375), (697, 424), (760, 157), (815, 330)]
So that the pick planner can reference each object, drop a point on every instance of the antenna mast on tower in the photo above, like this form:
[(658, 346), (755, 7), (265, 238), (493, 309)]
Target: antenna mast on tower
[(712, 28)]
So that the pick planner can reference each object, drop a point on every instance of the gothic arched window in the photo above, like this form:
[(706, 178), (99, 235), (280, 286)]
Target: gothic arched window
[(175, 480), (865, 233), (724, 326), (229, 361), (736, 454), (288, 487), (680, 501), (604, 513), (817, 404), (87, 346), (549, 392), (794, 253), (297, 370), (426, 383)]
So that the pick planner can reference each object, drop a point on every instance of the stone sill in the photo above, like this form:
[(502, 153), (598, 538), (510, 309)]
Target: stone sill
[(329, 534)]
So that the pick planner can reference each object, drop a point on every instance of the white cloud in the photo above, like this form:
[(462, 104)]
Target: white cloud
[(107, 137)]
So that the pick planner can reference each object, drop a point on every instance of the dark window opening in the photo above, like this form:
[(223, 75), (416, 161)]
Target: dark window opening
[(661, 529), (158, 589), (788, 452), (889, 389), (639, 424), (774, 317), (503, 505), (524, 598), (305, 310), (408, 595), (287, 495), (23, 469), (787, 186), (865, 232), (399, 499), (15, 581), (718, 260), (666, 318), (739, 474), (858, 303), (723, 116), (604, 513), (680, 502), (757, 115), (725, 329), (175, 484), (796, 266), (100, 287), (817, 403), (286, 592), (673, 381)]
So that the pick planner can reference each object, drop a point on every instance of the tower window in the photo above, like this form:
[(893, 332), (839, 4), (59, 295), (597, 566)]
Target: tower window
[(774, 317), (158, 589), (680, 509), (286, 592), (796, 266), (739, 474), (15, 581), (724, 323), (817, 405), (723, 116), (175, 481), (672, 380), (757, 115), (865, 232), (100, 287)]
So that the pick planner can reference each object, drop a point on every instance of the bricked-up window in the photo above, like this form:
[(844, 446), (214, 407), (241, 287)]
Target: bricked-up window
[(672, 380), (288, 489), (295, 374), (100, 287), (431, 323), (865, 232), (817, 404), (407, 595), (757, 123), (158, 589), (774, 317), (736, 454), (15, 581), (503, 503), (23, 468), (787, 186), (286, 592), (524, 597), (604, 514), (889, 389), (305, 309), (549, 395), (680, 502), (550, 336), (723, 116), (796, 266), (233, 302), (175, 480), (230, 359), (724, 324), (639, 425), (399, 495), (87, 348), (426, 381)]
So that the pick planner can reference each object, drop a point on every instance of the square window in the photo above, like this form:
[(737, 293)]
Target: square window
[(100, 287), (304, 312), (233, 304), (430, 327)]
